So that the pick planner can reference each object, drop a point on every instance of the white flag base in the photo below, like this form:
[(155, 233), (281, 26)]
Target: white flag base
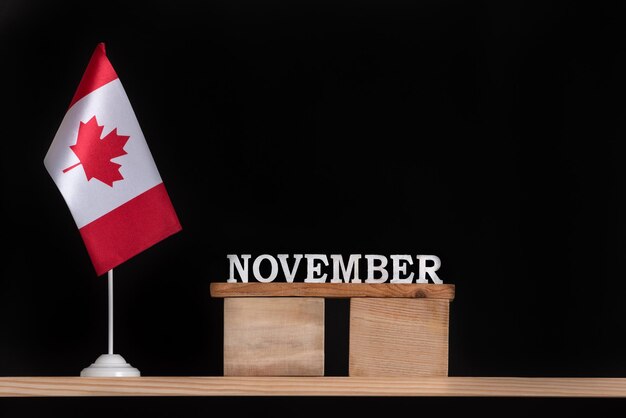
[(110, 365)]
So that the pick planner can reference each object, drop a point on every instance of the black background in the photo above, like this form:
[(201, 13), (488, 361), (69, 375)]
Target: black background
[(487, 133)]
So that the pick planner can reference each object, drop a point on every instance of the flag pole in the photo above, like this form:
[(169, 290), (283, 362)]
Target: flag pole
[(110, 364), (110, 274)]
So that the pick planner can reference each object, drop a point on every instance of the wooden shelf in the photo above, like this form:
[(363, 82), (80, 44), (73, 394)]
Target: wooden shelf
[(314, 386), (333, 290)]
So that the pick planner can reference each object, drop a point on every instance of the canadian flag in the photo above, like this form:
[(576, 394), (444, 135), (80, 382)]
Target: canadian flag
[(100, 161)]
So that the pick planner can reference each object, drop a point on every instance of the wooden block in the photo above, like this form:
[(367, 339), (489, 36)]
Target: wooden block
[(273, 336), (398, 337)]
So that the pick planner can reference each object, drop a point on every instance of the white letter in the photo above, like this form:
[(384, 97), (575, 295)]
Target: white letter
[(353, 267), (257, 273), (289, 275), (313, 269), (397, 269), (233, 260), (371, 268), (430, 270)]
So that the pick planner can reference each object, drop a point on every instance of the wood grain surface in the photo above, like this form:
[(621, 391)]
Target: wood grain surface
[(314, 386), (398, 337), (273, 337), (334, 290)]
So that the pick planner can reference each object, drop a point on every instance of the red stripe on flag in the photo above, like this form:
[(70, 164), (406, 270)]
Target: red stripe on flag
[(129, 229), (98, 73)]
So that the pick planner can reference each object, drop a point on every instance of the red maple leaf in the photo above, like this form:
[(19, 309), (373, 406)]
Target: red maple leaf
[(95, 153)]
